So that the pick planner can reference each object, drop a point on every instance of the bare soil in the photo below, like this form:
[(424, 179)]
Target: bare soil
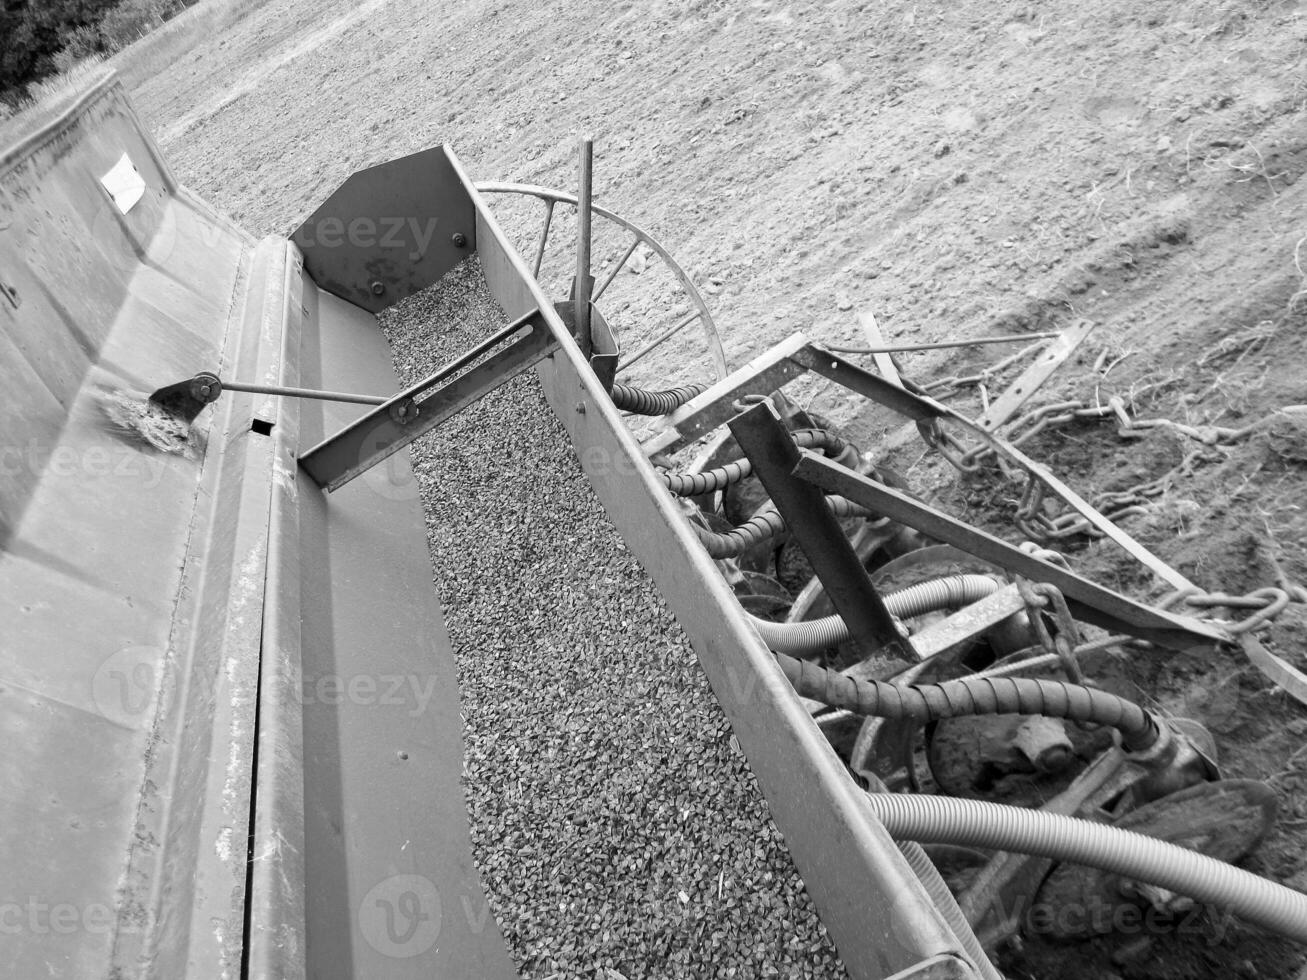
[(959, 170)]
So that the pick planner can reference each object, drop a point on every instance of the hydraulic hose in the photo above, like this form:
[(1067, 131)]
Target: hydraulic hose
[(815, 635), (763, 527), (641, 401), (710, 481), (976, 823), (969, 696)]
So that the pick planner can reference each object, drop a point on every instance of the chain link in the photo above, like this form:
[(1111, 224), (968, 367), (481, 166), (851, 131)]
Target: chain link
[(1266, 604)]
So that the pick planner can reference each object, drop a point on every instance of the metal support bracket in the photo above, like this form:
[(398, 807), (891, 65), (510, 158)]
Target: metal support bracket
[(1088, 601), (763, 438), (419, 409)]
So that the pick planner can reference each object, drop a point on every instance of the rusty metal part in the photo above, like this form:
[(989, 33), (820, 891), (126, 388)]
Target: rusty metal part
[(1088, 601), (583, 283), (796, 355), (1035, 375), (770, 448)]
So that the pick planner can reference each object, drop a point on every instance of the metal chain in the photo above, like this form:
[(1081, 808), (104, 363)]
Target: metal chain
[(1266, 604)]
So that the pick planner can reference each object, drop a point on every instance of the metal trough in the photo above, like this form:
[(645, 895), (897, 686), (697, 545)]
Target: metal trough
[(173, 806)]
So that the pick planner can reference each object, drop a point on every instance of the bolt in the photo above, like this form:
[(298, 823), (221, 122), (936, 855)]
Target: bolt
[(378, 287), (460, 239)]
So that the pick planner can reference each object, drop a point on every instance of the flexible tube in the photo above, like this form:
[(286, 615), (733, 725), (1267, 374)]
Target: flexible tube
[(710, 481), (976, 823), (968, 696), (815, 635), (763, 527), (644, 402)]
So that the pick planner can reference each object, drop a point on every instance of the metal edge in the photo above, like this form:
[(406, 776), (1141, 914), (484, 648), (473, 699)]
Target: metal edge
[(275, 932)]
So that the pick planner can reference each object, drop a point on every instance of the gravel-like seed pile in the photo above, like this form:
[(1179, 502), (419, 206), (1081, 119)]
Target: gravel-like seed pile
[(617, 828)]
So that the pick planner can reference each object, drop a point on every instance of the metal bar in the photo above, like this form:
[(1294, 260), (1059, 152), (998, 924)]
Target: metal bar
[(921, 408), (445, 372), (544, 239), (878, 345), (584, 287), (326, 396), (700, 415), (763, 438), (608, 280), (342, 457), (1006, 405), (667, 335), (821, 361), (1088, 600), (884, 363)]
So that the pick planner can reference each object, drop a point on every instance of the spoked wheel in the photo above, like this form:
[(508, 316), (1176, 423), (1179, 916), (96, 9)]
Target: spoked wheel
[(647, 309)]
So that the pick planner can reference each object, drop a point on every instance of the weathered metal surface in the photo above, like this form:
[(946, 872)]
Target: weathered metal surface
[(1039, 371), (118, 635), (389, 231), (390, 886), (1088, 600), (878, 913), (181, 605), (768, 445), (706, 411)]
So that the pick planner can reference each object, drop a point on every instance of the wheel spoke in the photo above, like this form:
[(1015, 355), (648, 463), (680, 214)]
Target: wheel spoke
[(544, 239), (654, 345), (616, 269)]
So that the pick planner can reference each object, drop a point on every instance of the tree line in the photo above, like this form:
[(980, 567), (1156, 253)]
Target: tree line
[(40, 38)]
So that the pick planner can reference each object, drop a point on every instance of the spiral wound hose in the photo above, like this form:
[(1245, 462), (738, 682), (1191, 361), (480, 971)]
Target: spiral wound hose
[(710, 481), (643, 402), (976, 823), (763, 527), (815, 635), (971, 696)]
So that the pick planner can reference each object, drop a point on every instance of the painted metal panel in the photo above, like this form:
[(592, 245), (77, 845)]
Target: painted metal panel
[(389, 231)]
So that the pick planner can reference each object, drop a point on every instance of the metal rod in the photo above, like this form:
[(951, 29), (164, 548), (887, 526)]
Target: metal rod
[(654, 345), (616, 269), (544, 239), (584, 284), (328, 396), (771, 449), (942, 345)]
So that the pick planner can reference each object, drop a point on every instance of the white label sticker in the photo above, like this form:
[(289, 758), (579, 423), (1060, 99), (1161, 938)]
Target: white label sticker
[(124, 183)]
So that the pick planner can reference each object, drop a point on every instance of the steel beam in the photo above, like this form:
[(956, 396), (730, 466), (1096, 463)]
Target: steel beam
[(1088, 600), (763, 438)]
